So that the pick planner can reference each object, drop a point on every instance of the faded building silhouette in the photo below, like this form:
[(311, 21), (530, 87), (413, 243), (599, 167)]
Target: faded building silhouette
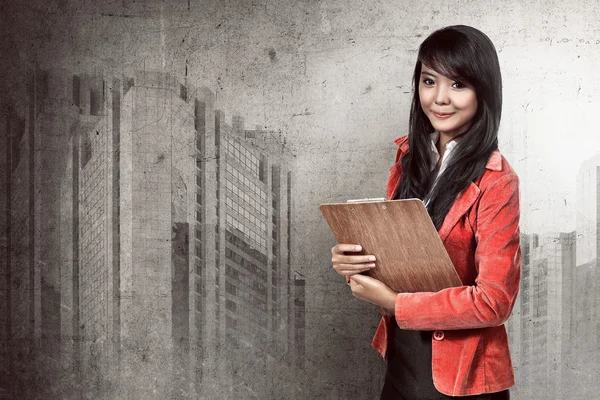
[(554, 354), (540, 327), (146, 245), (587, 307)]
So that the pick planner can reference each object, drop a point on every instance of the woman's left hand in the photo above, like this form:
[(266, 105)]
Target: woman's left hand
[(374, 291)]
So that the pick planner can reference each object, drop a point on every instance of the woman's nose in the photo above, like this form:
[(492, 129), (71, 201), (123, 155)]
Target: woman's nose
[(441, 95)]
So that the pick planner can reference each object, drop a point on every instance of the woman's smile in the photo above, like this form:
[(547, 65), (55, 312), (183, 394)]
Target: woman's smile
[(442, 116)]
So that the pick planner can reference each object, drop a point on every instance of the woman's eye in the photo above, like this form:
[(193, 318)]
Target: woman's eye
[(428, 81), (458, 85)]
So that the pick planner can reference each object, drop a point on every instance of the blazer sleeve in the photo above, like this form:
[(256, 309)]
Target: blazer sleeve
[(490, 300)]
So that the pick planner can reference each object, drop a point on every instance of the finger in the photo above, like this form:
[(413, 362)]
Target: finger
[(340, 248), (361, 279), (349, 274), (354, 284), (343, 259), (353, 267), (353, 271)]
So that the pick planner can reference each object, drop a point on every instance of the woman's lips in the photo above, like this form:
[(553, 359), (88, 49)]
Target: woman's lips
[(442, 116)]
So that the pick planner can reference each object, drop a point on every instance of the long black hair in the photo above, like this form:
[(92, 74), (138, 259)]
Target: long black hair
[(464, 54)]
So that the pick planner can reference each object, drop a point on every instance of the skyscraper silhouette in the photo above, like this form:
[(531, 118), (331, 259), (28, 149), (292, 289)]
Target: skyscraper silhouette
[(146, 245)]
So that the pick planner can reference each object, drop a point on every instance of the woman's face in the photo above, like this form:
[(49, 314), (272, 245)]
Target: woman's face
[(450, 105)]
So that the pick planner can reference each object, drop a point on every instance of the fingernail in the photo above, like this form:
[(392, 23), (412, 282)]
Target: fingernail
[(372, 265), (357, 248), (372, 258)]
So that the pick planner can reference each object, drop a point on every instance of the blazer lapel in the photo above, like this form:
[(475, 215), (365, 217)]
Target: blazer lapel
[(467, 197), (396, 170), (393, 181), (463, 202)]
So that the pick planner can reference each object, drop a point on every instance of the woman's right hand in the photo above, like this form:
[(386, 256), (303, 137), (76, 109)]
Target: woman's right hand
[(349, 265)]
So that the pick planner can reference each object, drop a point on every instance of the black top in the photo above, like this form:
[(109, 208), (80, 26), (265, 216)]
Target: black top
[(408, 374)]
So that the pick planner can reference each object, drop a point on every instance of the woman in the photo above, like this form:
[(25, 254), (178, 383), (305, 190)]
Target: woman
[(452, 342)]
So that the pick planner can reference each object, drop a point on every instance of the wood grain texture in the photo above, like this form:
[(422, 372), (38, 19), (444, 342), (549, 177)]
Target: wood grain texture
[(410, 256)]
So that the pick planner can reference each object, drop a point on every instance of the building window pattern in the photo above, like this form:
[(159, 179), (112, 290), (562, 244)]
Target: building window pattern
[(253, 271), (198, 244), (244, 157), (218, 224), (248, 265), (248, 212), (247, 190), (275, 193), (235, 238), (235, 221), (524, 290), (248, 306), (247, 243), (541, 288), (246, 282), (245, 209), (93, 246)]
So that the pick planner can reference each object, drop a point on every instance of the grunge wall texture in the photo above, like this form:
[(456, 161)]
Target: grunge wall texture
[(113, 100)]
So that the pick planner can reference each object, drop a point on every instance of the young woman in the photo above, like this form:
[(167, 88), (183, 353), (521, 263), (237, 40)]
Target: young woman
[(453, 342)]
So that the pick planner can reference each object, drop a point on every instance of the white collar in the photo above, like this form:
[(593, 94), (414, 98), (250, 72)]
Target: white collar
[(435, 155)]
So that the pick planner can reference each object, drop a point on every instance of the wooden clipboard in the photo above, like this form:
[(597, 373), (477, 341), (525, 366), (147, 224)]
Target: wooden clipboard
[(410, 256)]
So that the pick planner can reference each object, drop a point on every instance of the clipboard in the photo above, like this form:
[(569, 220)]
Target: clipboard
[(410, 256)]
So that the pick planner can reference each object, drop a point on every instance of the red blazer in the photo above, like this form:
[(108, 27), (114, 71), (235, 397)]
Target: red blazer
[(481, 234)]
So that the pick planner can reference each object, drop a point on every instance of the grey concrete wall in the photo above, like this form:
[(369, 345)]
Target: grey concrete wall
[(334, 77)]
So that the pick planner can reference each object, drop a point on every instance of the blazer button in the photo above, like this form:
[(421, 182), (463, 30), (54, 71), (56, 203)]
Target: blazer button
[(438, 335)]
